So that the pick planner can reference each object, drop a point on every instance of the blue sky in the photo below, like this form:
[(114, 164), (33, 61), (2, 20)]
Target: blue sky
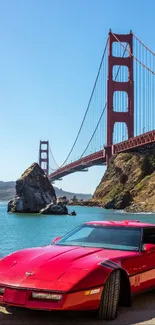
[(50, 53)]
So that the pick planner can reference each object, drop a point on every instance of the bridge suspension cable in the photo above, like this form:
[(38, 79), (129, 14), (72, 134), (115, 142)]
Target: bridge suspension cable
[(102, 59), (118, 70), (52, 169), (144, 84), (130, 53), (147, 48), (53, 158)]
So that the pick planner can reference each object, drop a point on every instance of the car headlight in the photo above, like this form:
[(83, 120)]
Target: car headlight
[(2, 290), (48, 296)]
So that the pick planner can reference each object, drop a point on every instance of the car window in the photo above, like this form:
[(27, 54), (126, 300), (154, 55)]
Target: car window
[(83, 233), (149, 236), (111, 237)]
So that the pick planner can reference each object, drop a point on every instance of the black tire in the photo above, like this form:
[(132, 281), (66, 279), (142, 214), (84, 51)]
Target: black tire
[(110, 297)]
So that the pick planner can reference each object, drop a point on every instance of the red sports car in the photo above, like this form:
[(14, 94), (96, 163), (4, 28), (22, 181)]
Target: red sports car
[(98, 265)]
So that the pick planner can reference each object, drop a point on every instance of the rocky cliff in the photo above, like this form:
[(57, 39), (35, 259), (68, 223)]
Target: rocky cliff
[(128, 183), (34, 193)]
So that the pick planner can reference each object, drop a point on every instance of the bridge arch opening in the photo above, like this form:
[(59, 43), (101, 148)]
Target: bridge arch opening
[(120, 73), (120, 51), (120, 132), (120, 101)]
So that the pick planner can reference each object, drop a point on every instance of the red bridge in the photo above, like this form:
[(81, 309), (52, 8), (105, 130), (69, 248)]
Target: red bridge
[(120, 116)]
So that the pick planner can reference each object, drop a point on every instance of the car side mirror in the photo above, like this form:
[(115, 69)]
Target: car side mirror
[(54, 241), (144, 248), (148, 247)]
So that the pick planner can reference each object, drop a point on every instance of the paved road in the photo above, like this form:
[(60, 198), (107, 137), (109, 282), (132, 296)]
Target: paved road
[(142, 312)]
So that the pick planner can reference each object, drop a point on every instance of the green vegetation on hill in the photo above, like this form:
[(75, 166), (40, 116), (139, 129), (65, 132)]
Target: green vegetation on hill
[(128, 183)]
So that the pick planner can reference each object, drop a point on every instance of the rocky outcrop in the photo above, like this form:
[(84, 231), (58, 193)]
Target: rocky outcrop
[(57, 209), (128, 183), (33, 191)]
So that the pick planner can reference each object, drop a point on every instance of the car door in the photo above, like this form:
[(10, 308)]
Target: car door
[(147, 276), (141, 265)]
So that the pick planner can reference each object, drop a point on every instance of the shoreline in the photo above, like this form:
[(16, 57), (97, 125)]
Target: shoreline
[(134, 208), (128, 210)]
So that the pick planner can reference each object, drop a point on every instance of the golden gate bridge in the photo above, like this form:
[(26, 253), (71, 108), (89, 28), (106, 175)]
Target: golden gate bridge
[(120, 115)]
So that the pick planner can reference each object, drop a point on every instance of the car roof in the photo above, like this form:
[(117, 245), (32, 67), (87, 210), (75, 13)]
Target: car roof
[(122, 223)]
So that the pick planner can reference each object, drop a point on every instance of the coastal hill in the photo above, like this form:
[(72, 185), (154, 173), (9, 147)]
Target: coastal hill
[(7, 191), (128, 183), (69, 195)]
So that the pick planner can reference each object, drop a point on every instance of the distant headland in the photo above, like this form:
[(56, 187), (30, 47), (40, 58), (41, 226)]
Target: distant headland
[(7, 191)]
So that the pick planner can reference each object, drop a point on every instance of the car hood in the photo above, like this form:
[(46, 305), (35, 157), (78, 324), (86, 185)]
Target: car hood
[(49, 267)]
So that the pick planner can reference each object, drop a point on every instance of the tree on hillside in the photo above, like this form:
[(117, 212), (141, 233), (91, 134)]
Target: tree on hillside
[(146, 167)]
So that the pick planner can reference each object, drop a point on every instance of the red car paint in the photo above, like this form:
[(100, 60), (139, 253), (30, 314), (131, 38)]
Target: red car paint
[(73, 271)]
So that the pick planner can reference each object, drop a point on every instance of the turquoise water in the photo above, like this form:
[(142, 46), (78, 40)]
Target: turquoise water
[(20, 231)]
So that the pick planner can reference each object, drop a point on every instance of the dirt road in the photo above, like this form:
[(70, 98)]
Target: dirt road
[(142, 312)]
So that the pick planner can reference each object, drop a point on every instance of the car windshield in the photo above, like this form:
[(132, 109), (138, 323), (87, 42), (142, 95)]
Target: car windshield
[(109, 237)]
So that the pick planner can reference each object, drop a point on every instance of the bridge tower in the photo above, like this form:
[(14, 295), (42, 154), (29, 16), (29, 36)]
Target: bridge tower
[(44, 156), (127, 86)]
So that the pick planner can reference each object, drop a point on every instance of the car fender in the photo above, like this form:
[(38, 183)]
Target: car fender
[(95, 276), (110, 266)]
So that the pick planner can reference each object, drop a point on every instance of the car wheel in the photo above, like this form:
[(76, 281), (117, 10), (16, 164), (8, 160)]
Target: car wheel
[(110, 297)]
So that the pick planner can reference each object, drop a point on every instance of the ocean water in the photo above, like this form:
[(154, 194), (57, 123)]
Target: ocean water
[(19, 231)]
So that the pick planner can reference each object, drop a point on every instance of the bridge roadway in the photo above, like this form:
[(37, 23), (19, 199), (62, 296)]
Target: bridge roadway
[(138, 143)]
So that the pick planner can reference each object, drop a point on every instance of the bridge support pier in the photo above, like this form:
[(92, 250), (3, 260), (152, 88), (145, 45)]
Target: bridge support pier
[(109, 152)]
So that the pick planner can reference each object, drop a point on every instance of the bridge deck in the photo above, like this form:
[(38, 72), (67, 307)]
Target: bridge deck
[(99, 158)]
